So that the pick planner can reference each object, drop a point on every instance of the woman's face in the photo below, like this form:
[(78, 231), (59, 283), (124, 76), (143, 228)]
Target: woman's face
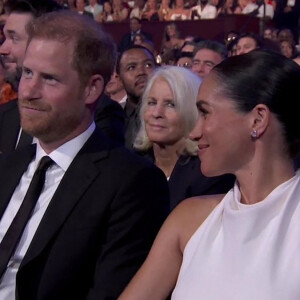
[(222, 133), (107, 7), (163, 123), (137, 40), (171, 30)]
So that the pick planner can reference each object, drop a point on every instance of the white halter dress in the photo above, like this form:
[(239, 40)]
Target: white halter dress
[(246, 252)]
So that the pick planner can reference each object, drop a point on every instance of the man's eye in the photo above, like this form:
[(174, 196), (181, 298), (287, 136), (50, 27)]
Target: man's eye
[(26, 73), (130, 68), (149, 65), (50, 79)]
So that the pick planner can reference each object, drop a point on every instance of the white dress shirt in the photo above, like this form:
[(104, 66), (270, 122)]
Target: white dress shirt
[(208, 12), (62, 157)]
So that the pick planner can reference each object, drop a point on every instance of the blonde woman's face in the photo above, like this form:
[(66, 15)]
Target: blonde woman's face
[(163, 123)]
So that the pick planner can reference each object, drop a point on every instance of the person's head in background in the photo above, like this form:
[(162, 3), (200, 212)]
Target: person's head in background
[(247, 42), (207, 54), (20, 13), (285, 34), (138, 39), (135, 24), (188, 46), (134, 65), (171, 31), (185, 60), (168, 110), (169, 57), (115, 88), (288, 48), (268, 33)]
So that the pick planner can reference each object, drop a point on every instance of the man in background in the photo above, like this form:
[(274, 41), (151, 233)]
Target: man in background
[(207, 54), (109, 115), (134, 65)]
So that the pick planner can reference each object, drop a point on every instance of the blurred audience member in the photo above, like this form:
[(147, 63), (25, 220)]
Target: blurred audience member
[(179, 12), (285, 34), (188, 46), (230, 42), (164, 10), (137, 10), (268, 33), (185, 59), (204, 10), (230, 7), (80, 8), (107, 14), (171, 38), (288, 48), (135, 26), (150, 12), (8, 90), (287, 15), (120, 11), (95, 8), (138, 39), (247, 42), (207, 54), (115, 89)]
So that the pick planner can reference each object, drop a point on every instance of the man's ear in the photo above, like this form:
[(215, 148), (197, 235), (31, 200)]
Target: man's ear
[(94, 89), (260, 120)]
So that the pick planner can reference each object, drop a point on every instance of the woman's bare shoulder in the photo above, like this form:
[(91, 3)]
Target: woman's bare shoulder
[(191, 213)]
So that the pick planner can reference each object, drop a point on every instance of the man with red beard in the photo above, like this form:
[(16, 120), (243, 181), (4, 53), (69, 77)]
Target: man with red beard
[(73, 223), (109, 115), (134, 65)]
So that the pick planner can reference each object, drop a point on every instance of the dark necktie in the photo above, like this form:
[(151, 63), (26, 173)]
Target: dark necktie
[(15, 230)]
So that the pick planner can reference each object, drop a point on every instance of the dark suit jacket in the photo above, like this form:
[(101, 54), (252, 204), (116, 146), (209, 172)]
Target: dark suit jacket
[(188, 181), (98, 227), (9, 125), (126, 40), (109, 117)]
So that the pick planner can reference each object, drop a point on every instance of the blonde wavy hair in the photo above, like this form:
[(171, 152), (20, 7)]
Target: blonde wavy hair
[(184, 85)]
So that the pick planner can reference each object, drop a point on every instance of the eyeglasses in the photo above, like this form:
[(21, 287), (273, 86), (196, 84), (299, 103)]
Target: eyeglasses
[(185, 65)]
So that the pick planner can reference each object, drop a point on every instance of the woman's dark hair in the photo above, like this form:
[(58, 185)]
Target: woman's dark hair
[(265, 77)]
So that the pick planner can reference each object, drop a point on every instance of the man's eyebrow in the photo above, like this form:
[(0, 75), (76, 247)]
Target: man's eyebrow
[(10, 31)]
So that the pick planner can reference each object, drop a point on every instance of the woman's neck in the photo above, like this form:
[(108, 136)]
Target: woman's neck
[(167, 156), (260, 179)]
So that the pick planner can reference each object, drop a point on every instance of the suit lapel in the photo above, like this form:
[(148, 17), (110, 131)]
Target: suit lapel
[(15, 166), (77, 179)]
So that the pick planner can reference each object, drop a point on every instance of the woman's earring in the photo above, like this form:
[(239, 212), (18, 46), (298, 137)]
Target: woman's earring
[(254, 134)]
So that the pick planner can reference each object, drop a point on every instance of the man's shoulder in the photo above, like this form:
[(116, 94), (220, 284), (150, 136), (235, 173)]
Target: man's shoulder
[(11, 105), (147, 35)]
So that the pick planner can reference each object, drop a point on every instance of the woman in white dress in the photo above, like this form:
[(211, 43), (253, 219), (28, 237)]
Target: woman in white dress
[(246, 244)]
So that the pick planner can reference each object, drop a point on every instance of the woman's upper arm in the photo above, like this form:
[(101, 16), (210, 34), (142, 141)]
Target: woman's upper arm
[(157, 276)]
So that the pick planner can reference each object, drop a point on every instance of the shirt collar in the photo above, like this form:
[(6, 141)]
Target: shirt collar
[(64, 155)]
